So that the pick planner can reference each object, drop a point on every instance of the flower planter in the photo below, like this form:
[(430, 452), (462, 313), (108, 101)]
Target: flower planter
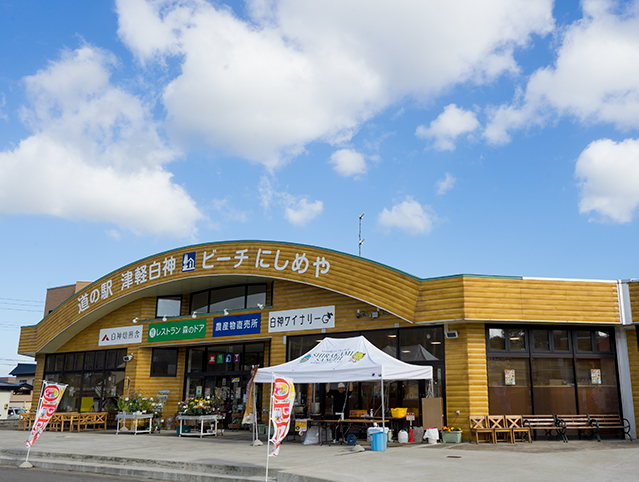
[(451, 437)]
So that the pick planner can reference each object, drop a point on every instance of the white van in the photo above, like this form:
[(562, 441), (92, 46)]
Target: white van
[(13, 413)]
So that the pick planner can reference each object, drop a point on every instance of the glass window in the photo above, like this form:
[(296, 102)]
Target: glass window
[(602, 341), (509, 386), (253, 355), (110, 360), (99, 359), (497, 339), (298, 345), (541, 340), (50, 363), (164, 362), (196, 360), (584, 342), (68, 362), (385, 340), (230, 298), (89, 360), (597, 385), (560, 340), (517, 339), (79, 361), (168, 306), (59, 363), (71, 399), (421, 344), (200, 302), (553, 384), (255, 296)]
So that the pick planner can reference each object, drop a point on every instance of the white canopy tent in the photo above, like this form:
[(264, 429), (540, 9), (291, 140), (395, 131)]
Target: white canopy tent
[(345, 360)]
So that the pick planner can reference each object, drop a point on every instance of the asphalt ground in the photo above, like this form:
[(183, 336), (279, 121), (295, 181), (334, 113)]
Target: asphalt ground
[(233, 455)]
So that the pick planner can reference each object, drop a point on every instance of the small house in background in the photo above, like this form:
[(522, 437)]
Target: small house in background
[(22, 378)]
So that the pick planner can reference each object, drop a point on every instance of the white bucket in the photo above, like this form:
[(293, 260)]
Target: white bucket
[(402, 437)]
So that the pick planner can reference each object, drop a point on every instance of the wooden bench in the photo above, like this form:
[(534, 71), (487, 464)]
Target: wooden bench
[(574, 422), (548, 423), (25, 422), (96, 420), (606, 421)]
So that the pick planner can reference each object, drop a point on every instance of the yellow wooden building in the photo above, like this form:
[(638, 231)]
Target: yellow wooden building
[(194, 320)]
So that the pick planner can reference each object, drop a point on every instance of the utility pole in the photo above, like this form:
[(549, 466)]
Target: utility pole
[(361, 241)]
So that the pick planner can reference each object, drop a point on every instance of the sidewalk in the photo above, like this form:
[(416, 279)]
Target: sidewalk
[(232, 458)]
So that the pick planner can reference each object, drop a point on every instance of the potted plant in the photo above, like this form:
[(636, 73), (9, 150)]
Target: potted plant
[(451, 435)]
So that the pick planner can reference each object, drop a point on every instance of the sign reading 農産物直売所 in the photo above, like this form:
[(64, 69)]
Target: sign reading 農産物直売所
[(123, 335), (237, 325), (302, 319), (199, 263), (177, 330)]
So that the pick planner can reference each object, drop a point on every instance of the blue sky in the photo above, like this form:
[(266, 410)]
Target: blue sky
[(495, 137)]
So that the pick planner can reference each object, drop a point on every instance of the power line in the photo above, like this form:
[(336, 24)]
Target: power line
[(37, 302)]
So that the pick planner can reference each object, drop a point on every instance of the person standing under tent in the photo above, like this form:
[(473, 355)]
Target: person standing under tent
[(340, 403)]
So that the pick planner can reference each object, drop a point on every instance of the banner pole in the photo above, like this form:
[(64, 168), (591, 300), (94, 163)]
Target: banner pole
[(268, 437)]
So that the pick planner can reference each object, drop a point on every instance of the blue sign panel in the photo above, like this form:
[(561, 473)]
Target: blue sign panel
[(188, 261), (237, 325)]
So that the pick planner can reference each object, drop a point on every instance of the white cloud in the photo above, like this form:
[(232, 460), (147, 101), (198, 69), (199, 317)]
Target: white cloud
[(297, 210), (608, 174), (448, 126), (348, 162), (299, 72), (408, 215), (94, 154), (446, 184), (595, 77), (302, 212)]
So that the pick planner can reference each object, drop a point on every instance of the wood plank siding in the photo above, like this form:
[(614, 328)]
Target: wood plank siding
[(632, 338), (300, 276), (466, 375)]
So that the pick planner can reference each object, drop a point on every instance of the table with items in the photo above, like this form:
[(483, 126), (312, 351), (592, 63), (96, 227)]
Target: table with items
[(137, 420), (204, 420)]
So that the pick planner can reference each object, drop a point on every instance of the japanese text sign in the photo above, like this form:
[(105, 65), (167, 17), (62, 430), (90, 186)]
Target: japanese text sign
[(234, 325), (124, 335), (177, 330), (282, 406), (301, 319), (51, 396)]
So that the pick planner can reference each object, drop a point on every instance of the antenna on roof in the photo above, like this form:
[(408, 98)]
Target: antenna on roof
[(361, 241)]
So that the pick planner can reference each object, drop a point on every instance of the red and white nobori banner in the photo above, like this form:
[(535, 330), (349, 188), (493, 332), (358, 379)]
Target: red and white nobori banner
[(49, 400), (282, 407)]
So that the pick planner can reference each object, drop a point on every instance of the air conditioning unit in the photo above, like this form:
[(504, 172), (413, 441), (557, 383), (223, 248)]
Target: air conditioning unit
[(452, 334)]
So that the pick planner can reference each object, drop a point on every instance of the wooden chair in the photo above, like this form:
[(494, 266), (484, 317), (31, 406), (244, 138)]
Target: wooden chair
[(497, 423), (479, 425), (516, 425)]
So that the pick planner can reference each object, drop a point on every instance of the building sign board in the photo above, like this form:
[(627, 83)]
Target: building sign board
[(177, 330), (301, 319), (234, 325), (122, 335), (202, 262)]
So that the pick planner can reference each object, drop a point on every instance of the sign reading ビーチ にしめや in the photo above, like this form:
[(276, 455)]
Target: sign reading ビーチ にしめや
[(199, 262)]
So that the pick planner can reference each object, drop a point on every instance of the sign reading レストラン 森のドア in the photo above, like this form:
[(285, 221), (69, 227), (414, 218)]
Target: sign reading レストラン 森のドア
[(177, 330), (302, 319)]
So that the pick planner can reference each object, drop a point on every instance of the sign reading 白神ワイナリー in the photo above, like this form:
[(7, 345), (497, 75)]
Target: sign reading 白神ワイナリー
[(177, 330), (302, 319)]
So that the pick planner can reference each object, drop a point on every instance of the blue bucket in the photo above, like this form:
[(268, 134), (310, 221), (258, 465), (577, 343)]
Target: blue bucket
[(379, 441)]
